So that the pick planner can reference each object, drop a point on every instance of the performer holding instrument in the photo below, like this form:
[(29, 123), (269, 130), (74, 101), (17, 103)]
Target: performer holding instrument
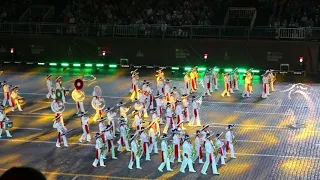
[(97, 102), (165, 160), (5, 122), (78, 95)]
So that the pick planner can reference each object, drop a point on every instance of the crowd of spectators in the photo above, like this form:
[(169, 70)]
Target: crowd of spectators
[(295, 13)]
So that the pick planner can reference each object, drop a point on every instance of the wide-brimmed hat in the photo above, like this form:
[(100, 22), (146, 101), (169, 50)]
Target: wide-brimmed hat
[(164, 136), (97, 135), (59, 77), (229, 127), (48, 76), (108, 127), (198, 132), (186, 137), (208, 136)]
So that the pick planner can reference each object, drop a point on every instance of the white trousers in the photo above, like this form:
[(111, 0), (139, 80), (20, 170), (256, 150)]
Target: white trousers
[(98, 158), (50, 93), (165, 161), (153, 145), (7, 98), (133, 159), (195, 118), (80, 107), (265, 91), (86, 133), (63, 137), (109, 148), (123, 140), (187, 161), (209, 159), (176, 153)]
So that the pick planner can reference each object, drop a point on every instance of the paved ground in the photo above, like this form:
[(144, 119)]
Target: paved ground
[(267, 147)]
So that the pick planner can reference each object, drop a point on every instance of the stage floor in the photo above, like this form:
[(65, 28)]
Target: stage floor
[(267, 147)]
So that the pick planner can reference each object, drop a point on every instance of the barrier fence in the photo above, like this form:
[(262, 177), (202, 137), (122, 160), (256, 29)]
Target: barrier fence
[(161, 31)]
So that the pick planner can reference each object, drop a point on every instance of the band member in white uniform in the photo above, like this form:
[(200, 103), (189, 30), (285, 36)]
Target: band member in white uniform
[(230, 83), (160, 103), (160, 86), (235, 80), (6, 94), (134, 150), (109, 142), (111, 116), (186, 153), (99, 148), (3, 122), (169, 119), (123, 141), (215, 79), (206, 83), (164, 154), (79, 103), (251, 79), (134, 90), (196, 116), (137, 123), (150, 96), (49, 86), (97, 100), (226, 85), (185, 104), (15, 98), (265, 85), (145, 143), (272, 79), (219, 144), (179, 114), (167, 89), (85, 128), (176, 141), (186, 83), (61, 132), (154, 132), (61, 88), (210, 159), (123, 110), (246, 91), (198, 146), (102, 125), (229, 138)]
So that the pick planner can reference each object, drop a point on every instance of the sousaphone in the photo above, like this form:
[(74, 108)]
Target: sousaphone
[(77, 94), (97, 102), (57, 106)]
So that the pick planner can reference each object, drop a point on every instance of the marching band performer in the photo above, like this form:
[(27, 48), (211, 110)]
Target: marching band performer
[(102, 125), (251, 78), (110, 116), (154, 132), (109, 138), (173, 101), (60, 87), (209, 157), (123, 110), (167, 89), (206, 83), (176, 141), (15, 98), (150, 96), (160, 73), (3, 122), (197, 76), (198, 146), (85, 128), (160, 86), (79, 104), (187, 152), (175, 93), (123, 141), (159, 102), (142, 104), (272, 79), (179, 114), (229, 138), (137, 123), (61, 132), (134, 90), (230, 78), (186, 83), (196, 116), (226, 85), (99, 148), (144, 85), (204, 131), (49, 86), (169, 119), (136, 105), (265, 84), (235, 79), (145, 143), (185, 104), (135, 157), (58, 105), (247, 82), (215, 79), (6, 93), (219, 144), (193, 81), (96, 98), (164, 154)]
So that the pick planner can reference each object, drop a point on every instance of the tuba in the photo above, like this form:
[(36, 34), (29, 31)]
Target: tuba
[(97, 102), (77, 94)]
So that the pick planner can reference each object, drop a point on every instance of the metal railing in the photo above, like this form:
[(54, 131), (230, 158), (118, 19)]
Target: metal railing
[(160, 31)]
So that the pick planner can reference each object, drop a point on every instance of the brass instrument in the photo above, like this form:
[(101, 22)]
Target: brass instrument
[(194, 152), (98, 104), (57, 107), (170, 151), (127, 132), (139, 152), (78, 95)]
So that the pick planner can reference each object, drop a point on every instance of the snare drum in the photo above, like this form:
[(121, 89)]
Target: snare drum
[(9, 124)]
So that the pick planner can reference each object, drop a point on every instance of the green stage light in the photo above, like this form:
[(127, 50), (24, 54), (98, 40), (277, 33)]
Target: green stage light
[(76, 65), (242, 70), (64, 64), (41, 64), (174, 68), (255, 71), (228, 70), (88, 65), (216, 69), (187, 68), (112, 65), (53, 64), (100, 65), (201, 69)]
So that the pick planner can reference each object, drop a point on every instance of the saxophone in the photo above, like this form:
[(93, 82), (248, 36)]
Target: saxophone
[(170, 151), (194, 152), (216, 148), (127, 132), (233, 139)]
